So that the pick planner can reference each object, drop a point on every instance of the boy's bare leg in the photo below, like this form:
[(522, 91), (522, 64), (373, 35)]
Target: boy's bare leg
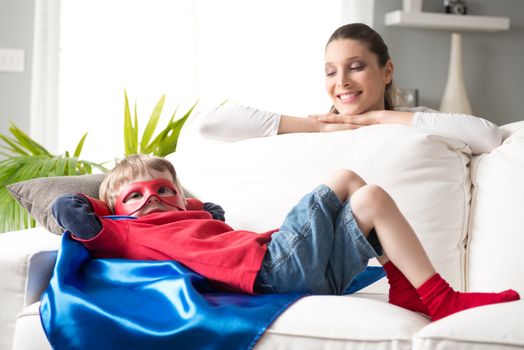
[(344, 183), (373, 207), (401, 292)]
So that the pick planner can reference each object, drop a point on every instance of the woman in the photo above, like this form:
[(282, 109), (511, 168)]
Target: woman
[(359, 75)]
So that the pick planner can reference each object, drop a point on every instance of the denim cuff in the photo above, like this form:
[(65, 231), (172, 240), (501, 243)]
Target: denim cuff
[(329, 197)]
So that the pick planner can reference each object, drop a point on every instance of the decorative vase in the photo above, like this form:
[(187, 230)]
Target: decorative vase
[(412, 5), (455, 98)]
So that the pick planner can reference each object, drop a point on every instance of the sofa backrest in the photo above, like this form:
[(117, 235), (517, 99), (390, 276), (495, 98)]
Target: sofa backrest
[(258, 180), (496, 235)]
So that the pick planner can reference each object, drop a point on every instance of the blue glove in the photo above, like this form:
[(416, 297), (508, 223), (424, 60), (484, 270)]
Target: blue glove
[(215, 210), (74, 213)]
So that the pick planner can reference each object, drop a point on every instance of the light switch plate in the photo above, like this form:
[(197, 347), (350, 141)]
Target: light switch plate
[(12, 60)]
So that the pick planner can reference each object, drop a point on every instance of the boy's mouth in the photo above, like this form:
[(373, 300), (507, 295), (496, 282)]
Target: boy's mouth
[(153, 210)]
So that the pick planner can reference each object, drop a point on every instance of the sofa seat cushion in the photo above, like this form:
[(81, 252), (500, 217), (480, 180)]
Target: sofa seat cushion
[(362, 321), (348, 322), (492, 327), (29, 333), (27, 258)]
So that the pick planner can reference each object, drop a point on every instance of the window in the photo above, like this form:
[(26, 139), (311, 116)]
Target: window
[(267, 54)]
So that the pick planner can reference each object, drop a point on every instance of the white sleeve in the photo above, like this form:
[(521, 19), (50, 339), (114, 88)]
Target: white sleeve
[(481, 135), (233, 122)]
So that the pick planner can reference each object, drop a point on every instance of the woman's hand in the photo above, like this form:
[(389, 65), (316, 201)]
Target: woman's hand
[(357, 121), (364, 119), (337, 122)]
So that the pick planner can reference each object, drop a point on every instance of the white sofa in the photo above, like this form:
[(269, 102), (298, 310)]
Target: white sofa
[(468, 212)]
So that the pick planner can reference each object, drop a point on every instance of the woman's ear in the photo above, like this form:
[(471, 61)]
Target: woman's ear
[(388, 72)]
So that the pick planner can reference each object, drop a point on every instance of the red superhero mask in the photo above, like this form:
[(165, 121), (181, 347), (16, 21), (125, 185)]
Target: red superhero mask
[(136, 195)]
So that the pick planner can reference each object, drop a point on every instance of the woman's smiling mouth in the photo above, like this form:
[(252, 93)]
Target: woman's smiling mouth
[(349, 96)]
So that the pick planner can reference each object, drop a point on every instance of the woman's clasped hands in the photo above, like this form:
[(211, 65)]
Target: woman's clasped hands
[(334, 121)]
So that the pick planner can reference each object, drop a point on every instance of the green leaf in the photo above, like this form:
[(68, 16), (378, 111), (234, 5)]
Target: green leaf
[(72, 166), (152, 123), (46, 167), (25, 141), (14, 147), (170, 142), (61, 166), (166, 141), (22, 165), (79, 147), (128, 128), (88, 169), (135, 133), (13, 217)]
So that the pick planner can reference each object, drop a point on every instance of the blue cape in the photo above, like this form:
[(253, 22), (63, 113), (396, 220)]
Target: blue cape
[(129, 304)]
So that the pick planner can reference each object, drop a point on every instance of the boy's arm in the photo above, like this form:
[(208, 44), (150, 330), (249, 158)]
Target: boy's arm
[(74, 212), (215, 210)]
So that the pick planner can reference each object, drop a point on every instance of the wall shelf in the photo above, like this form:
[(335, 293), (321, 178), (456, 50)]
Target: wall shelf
[(443, 21)]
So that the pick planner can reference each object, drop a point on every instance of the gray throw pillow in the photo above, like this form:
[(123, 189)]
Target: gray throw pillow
[(37, 195)]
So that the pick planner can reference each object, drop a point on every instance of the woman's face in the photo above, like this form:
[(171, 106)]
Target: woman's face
[(354, 80)]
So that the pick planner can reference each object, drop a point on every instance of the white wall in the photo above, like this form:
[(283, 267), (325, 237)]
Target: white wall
[(491, 61), (289, 74), (267, 54), (16, 31)]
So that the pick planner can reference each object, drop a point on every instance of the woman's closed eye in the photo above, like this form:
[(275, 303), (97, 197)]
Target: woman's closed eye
[(353, 67), (357, 66)]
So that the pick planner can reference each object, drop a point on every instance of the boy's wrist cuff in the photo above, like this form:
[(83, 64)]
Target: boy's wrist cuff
[(99, 207)]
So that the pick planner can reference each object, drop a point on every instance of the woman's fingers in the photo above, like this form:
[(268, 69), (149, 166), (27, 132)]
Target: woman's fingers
[(361, 119), (327, 118)]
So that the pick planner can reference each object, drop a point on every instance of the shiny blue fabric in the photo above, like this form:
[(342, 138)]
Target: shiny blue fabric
[(129, 304)]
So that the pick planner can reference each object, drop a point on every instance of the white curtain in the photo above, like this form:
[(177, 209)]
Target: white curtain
[(267, 54), (44, 84)]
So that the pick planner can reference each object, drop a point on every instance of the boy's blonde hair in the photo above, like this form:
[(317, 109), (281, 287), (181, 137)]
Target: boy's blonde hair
[(129, 169)]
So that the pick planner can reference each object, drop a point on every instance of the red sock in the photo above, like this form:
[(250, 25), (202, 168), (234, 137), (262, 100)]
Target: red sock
[(441, 300), (401, 292)]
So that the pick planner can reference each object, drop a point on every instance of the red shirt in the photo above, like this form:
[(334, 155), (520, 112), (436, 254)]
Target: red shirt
[(209, 247)]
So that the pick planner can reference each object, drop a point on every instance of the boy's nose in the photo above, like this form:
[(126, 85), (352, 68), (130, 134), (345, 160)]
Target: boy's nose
[(152, 199)]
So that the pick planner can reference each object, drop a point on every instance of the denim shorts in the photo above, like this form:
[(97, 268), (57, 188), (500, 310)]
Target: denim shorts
[(318, 249)]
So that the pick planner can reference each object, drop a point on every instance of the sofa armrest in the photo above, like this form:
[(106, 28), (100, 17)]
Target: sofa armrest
[(27, 260)]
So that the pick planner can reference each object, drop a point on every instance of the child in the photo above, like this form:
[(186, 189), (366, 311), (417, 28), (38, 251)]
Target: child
[(325, 240)]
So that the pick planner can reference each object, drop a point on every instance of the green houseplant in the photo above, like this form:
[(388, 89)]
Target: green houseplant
[(26, 159), (166, 140)]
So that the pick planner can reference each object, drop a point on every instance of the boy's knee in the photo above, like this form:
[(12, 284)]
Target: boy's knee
[(347, 178), (344, 183), (370, 198), (345, 175)]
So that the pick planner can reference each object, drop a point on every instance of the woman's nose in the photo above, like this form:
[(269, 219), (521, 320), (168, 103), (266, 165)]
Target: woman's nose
[(343, 81)]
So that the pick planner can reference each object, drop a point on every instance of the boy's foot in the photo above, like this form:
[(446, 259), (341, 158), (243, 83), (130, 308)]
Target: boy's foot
[(441, 300), (401, 292)]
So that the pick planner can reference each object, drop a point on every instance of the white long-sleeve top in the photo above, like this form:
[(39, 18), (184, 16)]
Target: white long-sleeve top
[(233, 122)]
